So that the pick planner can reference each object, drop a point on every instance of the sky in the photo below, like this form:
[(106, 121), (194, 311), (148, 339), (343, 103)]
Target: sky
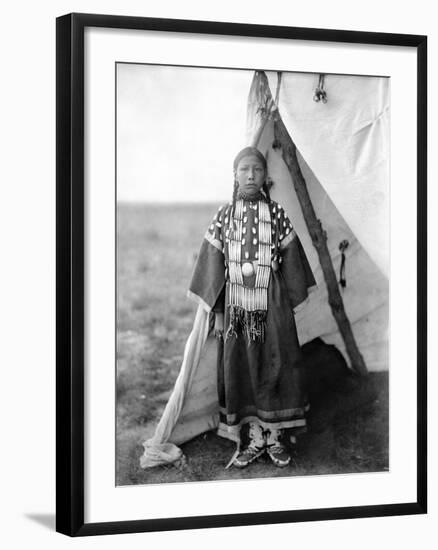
[(178, 131)]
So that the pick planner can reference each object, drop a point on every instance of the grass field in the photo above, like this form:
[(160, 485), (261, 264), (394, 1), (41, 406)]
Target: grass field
[(156, 248)]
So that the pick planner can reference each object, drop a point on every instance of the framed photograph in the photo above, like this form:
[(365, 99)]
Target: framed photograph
[(241, 274)]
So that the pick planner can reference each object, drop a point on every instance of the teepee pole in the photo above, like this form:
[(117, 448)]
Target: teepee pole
[(319, 240)]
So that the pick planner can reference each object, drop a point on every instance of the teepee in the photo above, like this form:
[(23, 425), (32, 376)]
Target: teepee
[(342, 155)]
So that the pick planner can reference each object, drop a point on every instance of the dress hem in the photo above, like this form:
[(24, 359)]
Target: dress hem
[(233, 432)]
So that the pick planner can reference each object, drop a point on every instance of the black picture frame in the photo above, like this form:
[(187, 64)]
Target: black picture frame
[(70, 272)]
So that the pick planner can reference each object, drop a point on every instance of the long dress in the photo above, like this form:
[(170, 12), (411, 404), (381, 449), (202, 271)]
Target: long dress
[(259, 359)]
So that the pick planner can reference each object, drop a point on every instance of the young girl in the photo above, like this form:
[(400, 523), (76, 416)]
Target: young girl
[(252, 272)]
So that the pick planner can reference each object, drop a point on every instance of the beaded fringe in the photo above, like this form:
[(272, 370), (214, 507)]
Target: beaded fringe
[(251, 323)]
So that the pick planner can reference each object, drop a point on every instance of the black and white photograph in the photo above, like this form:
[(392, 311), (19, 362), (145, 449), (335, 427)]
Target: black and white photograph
[(252, 273), (216, 275)]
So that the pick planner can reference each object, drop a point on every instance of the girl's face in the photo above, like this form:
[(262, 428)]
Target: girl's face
[(250, 175)]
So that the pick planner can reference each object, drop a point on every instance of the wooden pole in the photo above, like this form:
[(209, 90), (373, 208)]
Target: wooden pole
[(319, 240)]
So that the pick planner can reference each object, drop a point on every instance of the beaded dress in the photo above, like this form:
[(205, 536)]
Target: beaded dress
[(253, 269)]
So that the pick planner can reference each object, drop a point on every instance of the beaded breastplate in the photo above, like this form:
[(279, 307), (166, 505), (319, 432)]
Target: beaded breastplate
[(248, 281)]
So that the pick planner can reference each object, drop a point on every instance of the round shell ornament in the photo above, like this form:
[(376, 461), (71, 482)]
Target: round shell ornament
[(275, 265), (247, 269)]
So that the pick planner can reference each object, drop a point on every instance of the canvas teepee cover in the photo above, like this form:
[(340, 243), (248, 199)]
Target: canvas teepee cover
[(345, 142)]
